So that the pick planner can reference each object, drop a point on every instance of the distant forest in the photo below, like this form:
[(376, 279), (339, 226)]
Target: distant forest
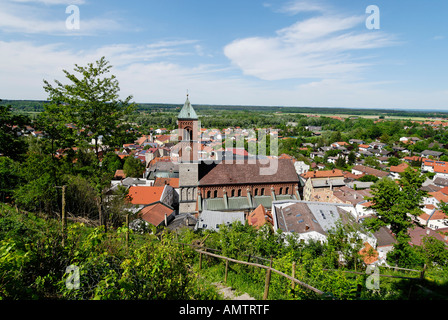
[(27, 106)]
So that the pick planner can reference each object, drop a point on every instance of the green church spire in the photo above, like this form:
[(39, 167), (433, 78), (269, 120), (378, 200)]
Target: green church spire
[(187, 111)]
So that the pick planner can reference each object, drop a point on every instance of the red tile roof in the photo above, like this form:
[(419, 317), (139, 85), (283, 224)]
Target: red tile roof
[(119, 174), (364, 252), (155, 213), (145, 195), (439, 196), (323, 174), (259, 217), (400, 168), (160, 182)]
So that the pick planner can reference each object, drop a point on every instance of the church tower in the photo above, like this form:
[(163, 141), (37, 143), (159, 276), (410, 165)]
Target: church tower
[(187, 128)]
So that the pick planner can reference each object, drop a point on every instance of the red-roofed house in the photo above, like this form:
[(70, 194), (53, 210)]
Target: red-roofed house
[(364, 147), (157, 214), (418, 233), (368, 254), (444, 190), (339, 144), (259, 217), (396, 170), (144, 195)]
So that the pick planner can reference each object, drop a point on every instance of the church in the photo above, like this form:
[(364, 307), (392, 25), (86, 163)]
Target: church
[(228, 185)]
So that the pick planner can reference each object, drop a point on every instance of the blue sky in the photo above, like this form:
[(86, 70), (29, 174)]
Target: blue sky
[(252, 52)]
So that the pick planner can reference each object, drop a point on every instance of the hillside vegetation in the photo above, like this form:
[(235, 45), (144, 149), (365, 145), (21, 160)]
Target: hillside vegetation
[(34, 261)]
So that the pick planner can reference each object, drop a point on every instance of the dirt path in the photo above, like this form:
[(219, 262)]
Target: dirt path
[(230, 294)]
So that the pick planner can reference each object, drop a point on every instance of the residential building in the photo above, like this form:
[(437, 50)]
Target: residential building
[(359, 169), (141, 196), (259, 217), (394, 171), (301, 167), (435, 154), (308, 220), (157, 214), (319, 184), (212, 220)]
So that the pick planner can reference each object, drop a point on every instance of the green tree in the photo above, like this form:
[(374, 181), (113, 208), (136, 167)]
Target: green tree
[(91, 103), (9, 178), (10, 125), (394, 161), (395, 205), (133, 167)]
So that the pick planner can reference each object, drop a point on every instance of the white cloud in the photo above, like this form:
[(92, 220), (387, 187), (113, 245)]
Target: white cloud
[(295, 7), (318, 47), (144, 73)]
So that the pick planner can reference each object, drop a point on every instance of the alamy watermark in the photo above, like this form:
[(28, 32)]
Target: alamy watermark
[(373, 20), (73, 20), (373, 281), (73, 279)]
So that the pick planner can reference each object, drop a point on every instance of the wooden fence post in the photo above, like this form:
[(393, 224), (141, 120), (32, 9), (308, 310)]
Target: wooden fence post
[(422, 274), (227, 268), (64, 217), (127, 231), (267, 282), (293, 274)]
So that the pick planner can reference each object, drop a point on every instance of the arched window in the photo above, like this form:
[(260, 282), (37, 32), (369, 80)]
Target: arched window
[(280, 191), (208, 194), (256, 192), (287, 190), (233, 193), (239, 193), (262, 192), (215, 194)]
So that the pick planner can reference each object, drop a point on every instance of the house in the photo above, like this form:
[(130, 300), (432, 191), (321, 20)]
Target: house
[(119, 175), (359, 169), (141, 196), (435, 198), (418, 233), (441, 171), (435, 154), (435, 166), (385, 243), (434, 220), (363, 147), (301, 167), (316, 183), (143, 140), (308, 220), (395, 171), (259, 217), (440, 182), (157, 214), (212, 220), (181, 221), (414, 159), (357, 141), (317, 154), (339, 144), (369, 254), (377, 145), (162, 139)]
